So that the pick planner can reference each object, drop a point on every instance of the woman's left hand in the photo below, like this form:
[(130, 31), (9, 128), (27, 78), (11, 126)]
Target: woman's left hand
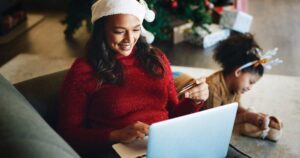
[(200, 92)]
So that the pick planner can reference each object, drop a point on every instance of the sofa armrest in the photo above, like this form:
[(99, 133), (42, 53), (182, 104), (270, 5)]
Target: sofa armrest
[(23, 132), (42, 93)]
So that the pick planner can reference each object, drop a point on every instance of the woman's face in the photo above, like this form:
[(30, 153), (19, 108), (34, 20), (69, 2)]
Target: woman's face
[(244, 81), (122, 32)]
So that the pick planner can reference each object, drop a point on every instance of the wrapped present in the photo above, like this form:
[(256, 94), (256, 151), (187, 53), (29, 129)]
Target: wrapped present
[(179, 29), (207, 35), (236, 20)]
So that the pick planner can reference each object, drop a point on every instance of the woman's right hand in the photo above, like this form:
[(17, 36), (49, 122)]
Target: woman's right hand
[(137, 130)]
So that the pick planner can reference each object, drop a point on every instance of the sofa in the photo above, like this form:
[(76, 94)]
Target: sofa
[(27, 118)]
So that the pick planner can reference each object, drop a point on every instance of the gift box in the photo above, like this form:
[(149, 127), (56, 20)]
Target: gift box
[(179, 29), (207, 35), (236, 20)]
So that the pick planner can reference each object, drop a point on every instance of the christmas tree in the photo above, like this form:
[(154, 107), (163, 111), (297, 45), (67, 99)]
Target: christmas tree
[(169, 10)]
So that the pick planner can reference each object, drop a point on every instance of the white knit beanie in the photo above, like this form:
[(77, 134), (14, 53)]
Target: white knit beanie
[(140, 9)]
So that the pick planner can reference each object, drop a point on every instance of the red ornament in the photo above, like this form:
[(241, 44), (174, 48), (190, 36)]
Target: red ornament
[(174, 4)]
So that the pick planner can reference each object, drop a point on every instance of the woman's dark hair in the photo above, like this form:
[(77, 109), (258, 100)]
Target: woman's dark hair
[(236, 51), (107, 67)]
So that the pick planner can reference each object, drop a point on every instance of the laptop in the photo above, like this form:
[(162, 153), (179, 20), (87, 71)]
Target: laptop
[(201, 134)]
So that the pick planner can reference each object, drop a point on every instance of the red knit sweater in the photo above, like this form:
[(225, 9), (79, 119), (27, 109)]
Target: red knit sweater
[(108, 107)]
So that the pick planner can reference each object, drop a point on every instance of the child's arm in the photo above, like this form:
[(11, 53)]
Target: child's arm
[(245, 116), (241, 109)]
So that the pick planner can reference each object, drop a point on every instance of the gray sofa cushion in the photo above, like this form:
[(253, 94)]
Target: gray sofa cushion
[(23, 132), (42, 93)]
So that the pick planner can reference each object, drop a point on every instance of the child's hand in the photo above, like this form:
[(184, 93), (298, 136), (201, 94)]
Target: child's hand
[(262, 121), (257, 119), (137, 130)]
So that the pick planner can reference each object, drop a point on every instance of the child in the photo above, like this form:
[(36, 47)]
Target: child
[(243, 65)]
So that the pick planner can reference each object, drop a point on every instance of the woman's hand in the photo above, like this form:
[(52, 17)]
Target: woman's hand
[(198, 93), (137, 130)]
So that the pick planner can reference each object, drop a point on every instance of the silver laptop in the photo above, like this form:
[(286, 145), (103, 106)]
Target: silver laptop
[(202, 134)]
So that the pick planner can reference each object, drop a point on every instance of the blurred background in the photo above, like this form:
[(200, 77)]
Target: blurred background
[(41, 37)]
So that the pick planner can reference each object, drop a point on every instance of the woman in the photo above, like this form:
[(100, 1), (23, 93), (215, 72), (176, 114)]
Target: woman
[(122, 85)]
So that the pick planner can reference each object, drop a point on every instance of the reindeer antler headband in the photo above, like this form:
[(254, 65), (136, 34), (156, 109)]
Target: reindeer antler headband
[(264, 60)]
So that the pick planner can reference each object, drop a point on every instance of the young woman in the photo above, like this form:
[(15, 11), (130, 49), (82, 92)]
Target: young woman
[(122, 85)]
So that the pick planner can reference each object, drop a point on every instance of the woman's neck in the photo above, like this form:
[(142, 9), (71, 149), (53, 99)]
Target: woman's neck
[(121, 56)]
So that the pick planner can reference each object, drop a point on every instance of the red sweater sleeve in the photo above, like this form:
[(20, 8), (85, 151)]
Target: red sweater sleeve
[(77, 88), (186, 106)]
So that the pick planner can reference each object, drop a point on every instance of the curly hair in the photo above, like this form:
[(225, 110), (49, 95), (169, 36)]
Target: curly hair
[(236, 51), (107, 68)]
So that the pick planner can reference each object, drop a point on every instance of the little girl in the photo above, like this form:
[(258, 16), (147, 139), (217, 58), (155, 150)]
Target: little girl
[(243, 65)]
